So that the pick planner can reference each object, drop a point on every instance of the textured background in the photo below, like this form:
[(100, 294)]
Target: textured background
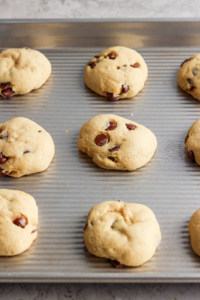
[(99, 9)]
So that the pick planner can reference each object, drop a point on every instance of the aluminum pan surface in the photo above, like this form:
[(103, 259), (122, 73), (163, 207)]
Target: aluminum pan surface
[(169, 184)]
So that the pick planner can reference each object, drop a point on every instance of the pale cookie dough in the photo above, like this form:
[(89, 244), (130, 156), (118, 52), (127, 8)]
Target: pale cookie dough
[(25, 147), (126, 232), (194, 230), (22, 70), (116, 73), (189, 76), (18, 221), (114, 142), (192, 142)]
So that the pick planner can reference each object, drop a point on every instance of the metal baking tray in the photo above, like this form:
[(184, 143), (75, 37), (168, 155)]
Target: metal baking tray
[(169, 184)]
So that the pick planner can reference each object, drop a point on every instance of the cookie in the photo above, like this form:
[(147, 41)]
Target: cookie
[(114, 142), (25, 147), (194, 230), (124, 232), (189, 76), (116, 73), (192, 142), (18, 221), (22, 70)]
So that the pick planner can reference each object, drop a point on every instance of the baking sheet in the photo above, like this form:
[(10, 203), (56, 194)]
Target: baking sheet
[(169, 184)]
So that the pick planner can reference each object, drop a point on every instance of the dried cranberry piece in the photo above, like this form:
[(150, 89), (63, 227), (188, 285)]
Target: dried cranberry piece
[(125, 89), (116, 148), (92, 64), (112, 55), (112, 126), (4, 85), (3, 172), (116, 264), (112, 97), (131, 126), (101, 139), (190, 154), (3, 158), (2, 137), (186, 138), (111, 158), (34, 230), (96, 56), (21, 221), (188, 59), (190, 81), (135, 65), (27, 151), (39, 130), (8, 93)]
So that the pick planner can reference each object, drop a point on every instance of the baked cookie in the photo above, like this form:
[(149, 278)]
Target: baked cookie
[(189, 76), (22, 70), (124, 232), (25, 148), (18, 221), (116, 73), (114, 142), (192, 142), (194, 230)]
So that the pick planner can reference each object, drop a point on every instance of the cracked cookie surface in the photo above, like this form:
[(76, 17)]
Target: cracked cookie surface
[(18, 221), (25, 147), (188, 76), (116, 73), (124, 232), (114, 142), (22, 70)]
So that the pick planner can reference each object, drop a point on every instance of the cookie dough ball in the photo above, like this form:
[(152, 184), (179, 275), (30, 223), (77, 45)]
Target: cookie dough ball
[(25, 148), (116, 73), (22, 70), (126, 232), (192, 142), (194, 230), (18, 221), (189, 76), (117, 143)]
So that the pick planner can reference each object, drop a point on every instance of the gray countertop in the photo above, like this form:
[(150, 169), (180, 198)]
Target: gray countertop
[(99, 9)]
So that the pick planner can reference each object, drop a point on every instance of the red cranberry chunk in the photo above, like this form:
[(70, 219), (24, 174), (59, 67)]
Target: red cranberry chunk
[(111, 158), (21, 221), (112, 126), (2, 137), (112, 97), (116, 148), (125, 89), (135, 65), (186, 138), (8, 93), (34, 230), (116, 264), (92, 64), (27, 151), (3, 158), (131, 126), (4, 85), (112, 55), (96, 56), (3, 172), (190, 154), (191, 84), (101, 139), (188, 59)]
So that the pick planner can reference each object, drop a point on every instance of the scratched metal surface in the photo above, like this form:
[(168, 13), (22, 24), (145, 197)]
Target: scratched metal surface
[(169, 184)]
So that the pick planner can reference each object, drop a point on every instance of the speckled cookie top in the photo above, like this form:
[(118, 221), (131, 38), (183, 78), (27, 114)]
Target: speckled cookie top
[(116, 73)]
